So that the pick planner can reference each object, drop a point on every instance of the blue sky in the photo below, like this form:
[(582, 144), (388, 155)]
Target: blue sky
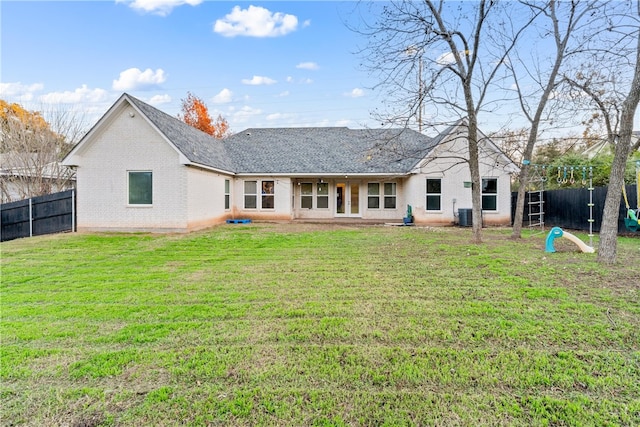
[(259, 64)]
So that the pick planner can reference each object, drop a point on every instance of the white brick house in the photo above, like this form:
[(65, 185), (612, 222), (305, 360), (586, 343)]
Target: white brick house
[(139, 169)]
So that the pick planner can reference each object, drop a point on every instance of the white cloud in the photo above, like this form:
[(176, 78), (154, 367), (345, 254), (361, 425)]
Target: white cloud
[(355, 93), (158, 7), (160, 99), (134, 78), (279, 116), (244, 114), (307, 66), (80, 95), (223, 97), (283, 94), (448, 58), (258, 80), (255, 21), (299, 81), (20, 91)]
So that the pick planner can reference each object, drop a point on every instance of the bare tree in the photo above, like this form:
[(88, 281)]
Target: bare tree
[(512, 142), (31, 148), (614, 92), (537, 76), (446, 56)]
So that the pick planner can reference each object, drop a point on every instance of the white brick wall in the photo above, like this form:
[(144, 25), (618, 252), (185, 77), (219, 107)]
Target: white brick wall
[(205, 197), (451, 168), (129, 144)]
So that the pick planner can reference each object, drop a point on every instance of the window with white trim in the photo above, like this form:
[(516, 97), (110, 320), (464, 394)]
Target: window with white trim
[(268, 188), (434, 194), (267, 195), (306, 195), (373, 195), (227, 194), (251, 194), (389, 195), (489, 194), (322, 195), (140, 189)]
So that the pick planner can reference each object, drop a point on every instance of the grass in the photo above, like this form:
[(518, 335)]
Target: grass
[(268, 324)]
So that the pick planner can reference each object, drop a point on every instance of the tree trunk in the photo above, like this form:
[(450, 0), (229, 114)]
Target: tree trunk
[(476, 184), (519, 212), (608, 248)]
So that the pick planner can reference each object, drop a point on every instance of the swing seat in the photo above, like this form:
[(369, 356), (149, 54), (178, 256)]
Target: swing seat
[(631, 224)]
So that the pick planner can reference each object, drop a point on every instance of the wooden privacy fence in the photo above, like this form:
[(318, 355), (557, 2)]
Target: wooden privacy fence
[(569, 208), (53, 213)]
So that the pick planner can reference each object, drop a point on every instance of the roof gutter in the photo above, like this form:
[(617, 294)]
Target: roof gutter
[(209, 168), (321, 174)]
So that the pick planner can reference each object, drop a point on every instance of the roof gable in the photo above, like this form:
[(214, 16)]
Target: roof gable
[(197, 146), (194, 146), (486, 146)]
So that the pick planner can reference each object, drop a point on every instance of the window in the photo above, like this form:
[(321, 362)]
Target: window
[(489, 194), (267, 195), (306, 195), (322, 198), (389, 195), (227, 194), (434, 194), (373, 195), (250, 194), (321, 194), (140, 188)]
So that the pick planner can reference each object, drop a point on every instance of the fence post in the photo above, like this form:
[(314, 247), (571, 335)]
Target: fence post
[(30, 217), (73, 211)]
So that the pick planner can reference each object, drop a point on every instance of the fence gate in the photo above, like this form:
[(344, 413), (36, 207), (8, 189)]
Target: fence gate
[(53, 213)]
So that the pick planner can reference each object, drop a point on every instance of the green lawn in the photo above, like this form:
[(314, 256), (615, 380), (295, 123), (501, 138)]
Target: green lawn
[(269, 324)]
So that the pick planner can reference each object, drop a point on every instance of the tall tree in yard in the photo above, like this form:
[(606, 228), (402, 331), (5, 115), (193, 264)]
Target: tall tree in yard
[(609, 231), (611, 86), (569, 25), (195, 113), (456, 50)]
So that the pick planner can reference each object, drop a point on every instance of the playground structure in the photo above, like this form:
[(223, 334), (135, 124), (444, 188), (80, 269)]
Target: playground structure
[(571, 174), (559, 232), (564, 174)]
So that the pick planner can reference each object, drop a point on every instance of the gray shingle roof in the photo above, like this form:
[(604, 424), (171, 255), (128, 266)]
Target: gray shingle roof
[(329, 150), (197, 146), (332, 150)]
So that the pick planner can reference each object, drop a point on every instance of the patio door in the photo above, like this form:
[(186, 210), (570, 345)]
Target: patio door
[(348, 199)]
